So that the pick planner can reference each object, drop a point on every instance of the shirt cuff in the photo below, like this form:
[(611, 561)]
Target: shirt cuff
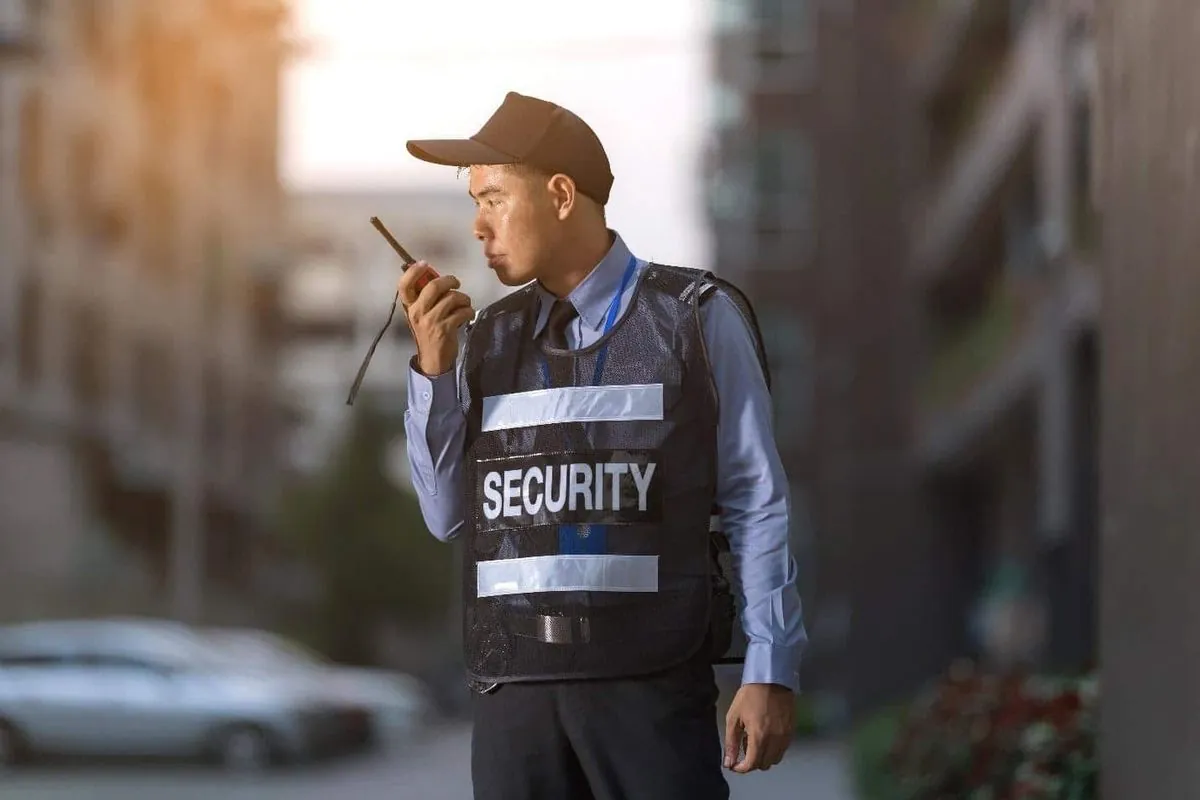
[(426, 394), (766, 663)]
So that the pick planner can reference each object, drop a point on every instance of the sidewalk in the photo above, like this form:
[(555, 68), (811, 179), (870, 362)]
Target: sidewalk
[(810, 770), (435, 768)]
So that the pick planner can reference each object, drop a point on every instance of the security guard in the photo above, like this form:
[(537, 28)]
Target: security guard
[(577, 446)]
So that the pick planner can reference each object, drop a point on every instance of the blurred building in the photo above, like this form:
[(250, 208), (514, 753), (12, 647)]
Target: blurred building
[(1001, 253), (803, 208), (903, 192), (16, 39), (337, 297), (140, 212)]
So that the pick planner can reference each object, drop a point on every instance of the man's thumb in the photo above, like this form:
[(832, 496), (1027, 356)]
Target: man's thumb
[(733, 739)]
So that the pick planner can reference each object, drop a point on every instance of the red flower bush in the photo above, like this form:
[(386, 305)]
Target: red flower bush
[(977, 736)]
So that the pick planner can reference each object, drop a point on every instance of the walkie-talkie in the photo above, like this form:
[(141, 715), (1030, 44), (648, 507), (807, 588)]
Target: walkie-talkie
[(424, 279)]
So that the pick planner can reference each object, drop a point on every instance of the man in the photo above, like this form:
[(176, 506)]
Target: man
[(578, 445)]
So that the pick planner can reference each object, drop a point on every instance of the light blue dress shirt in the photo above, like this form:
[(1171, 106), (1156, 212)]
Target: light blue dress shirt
[(752, 489)]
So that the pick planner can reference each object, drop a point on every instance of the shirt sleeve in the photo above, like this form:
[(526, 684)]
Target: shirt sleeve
[(752, 491), (435, 425)]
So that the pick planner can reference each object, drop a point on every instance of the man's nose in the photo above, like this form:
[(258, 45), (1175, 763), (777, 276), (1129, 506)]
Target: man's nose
[(482, 231)]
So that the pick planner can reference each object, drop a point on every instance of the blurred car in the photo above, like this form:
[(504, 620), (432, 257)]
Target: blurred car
[(398, 704), (449, 689), (136, 688)]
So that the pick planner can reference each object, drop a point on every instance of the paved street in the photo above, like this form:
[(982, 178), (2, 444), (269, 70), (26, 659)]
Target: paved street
[(434, 770)]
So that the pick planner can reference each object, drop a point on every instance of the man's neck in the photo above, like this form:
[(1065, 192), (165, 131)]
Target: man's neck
[(578, 262)]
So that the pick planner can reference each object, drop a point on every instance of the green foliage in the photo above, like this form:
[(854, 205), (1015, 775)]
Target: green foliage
[(807, 720), (368, 543), (870, 747)]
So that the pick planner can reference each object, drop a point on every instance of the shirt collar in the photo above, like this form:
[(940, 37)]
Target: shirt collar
[(594, 293)]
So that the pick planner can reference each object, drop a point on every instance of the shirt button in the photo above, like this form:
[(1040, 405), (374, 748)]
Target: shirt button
[(425, 395)]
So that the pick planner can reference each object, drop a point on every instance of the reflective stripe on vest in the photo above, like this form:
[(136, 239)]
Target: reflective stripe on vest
[(631, 403), (567, 573)]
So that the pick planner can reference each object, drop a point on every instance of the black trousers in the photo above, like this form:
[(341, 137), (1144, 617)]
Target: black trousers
[(648, 738)]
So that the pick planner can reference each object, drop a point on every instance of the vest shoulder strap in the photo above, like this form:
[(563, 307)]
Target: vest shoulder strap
[(708, 285)]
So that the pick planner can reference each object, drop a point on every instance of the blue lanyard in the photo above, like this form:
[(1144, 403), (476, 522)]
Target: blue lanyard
[(591, 539), (613, 307)]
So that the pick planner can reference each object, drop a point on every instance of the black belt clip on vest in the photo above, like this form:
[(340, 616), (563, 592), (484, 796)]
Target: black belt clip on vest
[(723, 614)]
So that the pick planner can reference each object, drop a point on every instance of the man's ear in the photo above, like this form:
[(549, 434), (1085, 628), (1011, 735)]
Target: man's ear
[(562, 191)]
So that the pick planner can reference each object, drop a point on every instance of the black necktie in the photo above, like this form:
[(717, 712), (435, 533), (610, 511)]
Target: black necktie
[(561, 314)]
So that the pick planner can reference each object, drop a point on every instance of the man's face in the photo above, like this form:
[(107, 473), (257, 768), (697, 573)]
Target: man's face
[(517, 222)]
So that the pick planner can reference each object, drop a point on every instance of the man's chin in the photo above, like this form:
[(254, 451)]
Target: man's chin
[(509, 278)]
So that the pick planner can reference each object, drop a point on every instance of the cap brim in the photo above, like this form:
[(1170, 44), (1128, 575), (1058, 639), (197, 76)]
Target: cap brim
[(457, 152)]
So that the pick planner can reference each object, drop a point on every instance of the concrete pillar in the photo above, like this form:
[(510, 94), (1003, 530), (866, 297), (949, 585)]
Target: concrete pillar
[(188, 549), (1055, 436), (1055, 143), (12, 259), (1150, 394)]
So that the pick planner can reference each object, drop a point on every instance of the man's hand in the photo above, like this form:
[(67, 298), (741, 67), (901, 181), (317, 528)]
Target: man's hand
[(434, 315), (764, 714)]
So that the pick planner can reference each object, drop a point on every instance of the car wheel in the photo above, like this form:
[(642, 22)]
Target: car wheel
[(243, 748)]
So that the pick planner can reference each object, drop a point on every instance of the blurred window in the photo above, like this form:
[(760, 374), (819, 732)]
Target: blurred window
[(727, 106), (88, 375), (154, 372), (731, 196), (791, 358), (30, 308), (774, 13), (785, 188), (786, 30), (732, 14), (32, 163), (1025, 242), (1018, 12), (784, 178)]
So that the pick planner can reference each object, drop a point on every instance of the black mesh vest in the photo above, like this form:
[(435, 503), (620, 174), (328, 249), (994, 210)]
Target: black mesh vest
[(586, 549)]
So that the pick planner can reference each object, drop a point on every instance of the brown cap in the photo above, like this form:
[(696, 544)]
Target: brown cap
[(526, 130)]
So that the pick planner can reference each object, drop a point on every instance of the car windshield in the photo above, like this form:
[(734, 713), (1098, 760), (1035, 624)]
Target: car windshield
[(150, 642), (261, 649), (185, 653)]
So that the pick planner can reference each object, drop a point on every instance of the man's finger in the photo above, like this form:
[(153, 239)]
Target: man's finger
[(753, 754), (461, 317), (436, 289), (447, 304), (774, 748), (733, 740), (428, 297), (410, 280)]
